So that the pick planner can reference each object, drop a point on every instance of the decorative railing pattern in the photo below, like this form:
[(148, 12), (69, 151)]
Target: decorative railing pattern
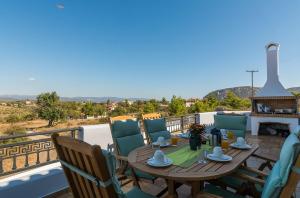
[(36, 150)]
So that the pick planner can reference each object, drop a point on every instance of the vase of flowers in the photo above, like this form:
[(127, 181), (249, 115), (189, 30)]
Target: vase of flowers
[(196, 130)]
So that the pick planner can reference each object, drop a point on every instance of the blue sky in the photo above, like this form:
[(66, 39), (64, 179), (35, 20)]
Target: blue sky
[(143, 48)]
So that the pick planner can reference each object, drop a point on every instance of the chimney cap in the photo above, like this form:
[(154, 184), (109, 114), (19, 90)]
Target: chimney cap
[(272, 44)]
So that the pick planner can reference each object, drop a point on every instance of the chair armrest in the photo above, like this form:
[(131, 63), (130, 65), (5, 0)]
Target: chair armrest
[(123, 158), (260, 173), (249, 178), (263, 157)]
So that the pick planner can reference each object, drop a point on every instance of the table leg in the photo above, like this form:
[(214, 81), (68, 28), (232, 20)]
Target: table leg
[(197, 186), (171, 189)]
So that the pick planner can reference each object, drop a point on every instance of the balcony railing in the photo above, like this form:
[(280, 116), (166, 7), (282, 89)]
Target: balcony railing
[(22, 152), (33, 150)]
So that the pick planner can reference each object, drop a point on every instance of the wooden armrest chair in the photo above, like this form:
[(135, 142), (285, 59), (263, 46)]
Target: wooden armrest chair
[(127, 137), (282, 179), (90, 170)]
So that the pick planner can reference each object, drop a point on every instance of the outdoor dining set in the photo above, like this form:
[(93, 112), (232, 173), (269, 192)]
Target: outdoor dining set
[(214, 167)]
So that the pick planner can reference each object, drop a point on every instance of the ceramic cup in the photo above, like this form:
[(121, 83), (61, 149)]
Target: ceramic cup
[(159, 156), (240, 141), (217, 152), (161, 140)]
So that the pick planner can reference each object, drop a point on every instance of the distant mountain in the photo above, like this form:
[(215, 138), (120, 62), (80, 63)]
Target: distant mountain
[(76, 99), (243, 92), (294, 89)]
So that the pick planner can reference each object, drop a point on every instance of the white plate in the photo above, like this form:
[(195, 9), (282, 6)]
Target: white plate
[(154, 163), (224, 158), (245, 146)]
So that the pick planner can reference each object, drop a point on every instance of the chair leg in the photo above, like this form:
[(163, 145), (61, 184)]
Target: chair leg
[(135, 179)]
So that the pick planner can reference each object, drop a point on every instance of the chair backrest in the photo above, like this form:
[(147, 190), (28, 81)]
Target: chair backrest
[(293, 180), (121, 118), (279, 176), (233, 122), (155, 128), (151, 116), (85, 168), (127, 136)]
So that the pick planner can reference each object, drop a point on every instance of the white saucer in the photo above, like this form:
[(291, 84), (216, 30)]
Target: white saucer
[(224, 158), (237, 146), (163, 145), (154, 163)]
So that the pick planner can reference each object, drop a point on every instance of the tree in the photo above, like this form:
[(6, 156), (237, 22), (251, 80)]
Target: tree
[(164, 101), (149, 107), (177, 106), (99, 109), (296, 93), (88, 109), (234, 102), (49, 108)]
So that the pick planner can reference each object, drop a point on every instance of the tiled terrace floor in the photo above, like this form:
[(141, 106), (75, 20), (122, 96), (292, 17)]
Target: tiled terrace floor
[(269, 146)]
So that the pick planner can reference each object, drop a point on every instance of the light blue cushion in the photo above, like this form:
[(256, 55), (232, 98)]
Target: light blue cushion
[(111, 164), (286, 157), (297, 131), (122, 129), (155, 125), (129, 143), (137, 193), (273, 184), (155, 135), (232, 122)]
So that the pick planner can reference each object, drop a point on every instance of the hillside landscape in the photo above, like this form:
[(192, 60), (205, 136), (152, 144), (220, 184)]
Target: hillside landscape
[(242, 92)]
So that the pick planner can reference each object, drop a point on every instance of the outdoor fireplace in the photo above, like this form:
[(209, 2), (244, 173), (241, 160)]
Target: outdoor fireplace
[(273, 104), (274, 128)]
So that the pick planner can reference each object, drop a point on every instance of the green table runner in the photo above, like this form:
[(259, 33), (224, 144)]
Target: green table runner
[(185, 157)]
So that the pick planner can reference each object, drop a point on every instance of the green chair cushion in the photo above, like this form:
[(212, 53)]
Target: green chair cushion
[(139, 174), (127, 128), (286, 158), (209, 188), (137, 193), (153, 136), (273, 183), (155, 125), (231, 122), (239, 133), (111, 164), (129, 143)]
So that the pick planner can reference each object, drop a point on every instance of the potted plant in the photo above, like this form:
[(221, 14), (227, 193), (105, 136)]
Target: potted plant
[(196, 130)]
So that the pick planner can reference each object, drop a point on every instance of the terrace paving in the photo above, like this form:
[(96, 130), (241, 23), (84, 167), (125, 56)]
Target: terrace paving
[(269, 146)]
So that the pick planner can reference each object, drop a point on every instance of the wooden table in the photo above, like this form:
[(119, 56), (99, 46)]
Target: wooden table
[(194, 175)]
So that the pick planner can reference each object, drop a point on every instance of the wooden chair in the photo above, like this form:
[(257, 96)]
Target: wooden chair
[(286, 171), (151, 116), (90, 170)]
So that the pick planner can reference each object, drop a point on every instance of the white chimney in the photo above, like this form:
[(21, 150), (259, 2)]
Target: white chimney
[(273, 87)]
